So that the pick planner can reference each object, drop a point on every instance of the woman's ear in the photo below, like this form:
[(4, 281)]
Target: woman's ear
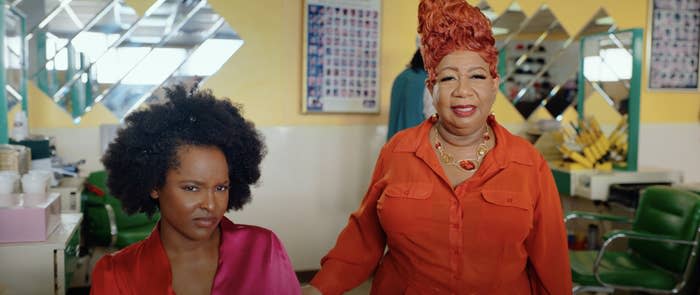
[(154, 194)]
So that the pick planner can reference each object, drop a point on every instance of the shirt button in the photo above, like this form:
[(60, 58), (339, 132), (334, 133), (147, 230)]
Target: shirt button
[(509, 200), (455, 225)]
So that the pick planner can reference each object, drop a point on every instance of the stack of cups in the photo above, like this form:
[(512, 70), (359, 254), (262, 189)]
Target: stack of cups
[(9, 182), (36, 181)]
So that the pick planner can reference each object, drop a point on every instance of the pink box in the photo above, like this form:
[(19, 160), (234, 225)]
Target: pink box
[(28, 217)]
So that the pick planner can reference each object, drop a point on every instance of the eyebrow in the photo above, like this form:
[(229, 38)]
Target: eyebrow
[(196, 182), (469, 69)]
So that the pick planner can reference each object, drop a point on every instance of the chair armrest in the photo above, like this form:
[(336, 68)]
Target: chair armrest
[(113, 230), (634, 235), (595, 216)]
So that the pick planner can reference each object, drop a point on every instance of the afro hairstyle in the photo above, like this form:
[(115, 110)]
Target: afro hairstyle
[(145, 149), (446, 26)]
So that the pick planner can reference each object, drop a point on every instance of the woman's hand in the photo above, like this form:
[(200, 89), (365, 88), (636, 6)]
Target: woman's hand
[(310, 290)]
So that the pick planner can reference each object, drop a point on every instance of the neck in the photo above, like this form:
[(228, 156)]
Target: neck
[(451, 137), (177, 244)]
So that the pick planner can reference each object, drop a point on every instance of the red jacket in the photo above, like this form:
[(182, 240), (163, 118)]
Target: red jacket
[(251, 261), (499, 232)]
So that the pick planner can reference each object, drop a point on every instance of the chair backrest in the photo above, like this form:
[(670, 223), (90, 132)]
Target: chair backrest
[(99, 179), (670, 212)]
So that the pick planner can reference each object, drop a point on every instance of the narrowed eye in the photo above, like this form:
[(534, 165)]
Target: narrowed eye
[(479, 76), (447, 78), (222, 188), (190, 188)]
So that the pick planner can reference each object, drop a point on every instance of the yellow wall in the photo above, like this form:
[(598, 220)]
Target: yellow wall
[(265, 74)]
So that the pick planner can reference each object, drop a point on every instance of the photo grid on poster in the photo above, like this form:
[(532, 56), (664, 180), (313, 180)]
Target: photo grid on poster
[(675, 44), (342, 57)]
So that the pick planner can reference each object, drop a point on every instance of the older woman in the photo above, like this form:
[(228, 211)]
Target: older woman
[(463, 206), (192, 158)]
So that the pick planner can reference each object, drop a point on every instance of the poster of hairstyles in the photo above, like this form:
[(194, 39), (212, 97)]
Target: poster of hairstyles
[(674, 45), (341, 56)]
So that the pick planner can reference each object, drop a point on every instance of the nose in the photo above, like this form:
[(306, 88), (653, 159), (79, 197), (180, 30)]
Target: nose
[(463, 88), (207, 202)]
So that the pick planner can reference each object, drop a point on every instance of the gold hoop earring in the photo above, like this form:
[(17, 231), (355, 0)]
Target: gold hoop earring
[(434, 118)]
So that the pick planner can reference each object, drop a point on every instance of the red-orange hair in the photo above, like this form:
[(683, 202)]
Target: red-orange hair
[(450, 25)]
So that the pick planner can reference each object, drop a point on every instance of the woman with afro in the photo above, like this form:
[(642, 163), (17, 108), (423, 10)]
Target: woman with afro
[(457, 204), (191, 158)]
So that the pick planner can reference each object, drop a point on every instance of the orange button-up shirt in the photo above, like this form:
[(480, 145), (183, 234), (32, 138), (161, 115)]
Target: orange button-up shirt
[(499, 232)]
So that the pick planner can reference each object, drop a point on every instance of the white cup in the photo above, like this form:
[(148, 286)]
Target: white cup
[(47, 174), (9, 181), (7, 184), (35, 183)]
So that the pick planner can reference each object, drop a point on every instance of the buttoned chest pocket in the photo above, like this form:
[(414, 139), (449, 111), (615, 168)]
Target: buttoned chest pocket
[(504, 217), (405, 207)]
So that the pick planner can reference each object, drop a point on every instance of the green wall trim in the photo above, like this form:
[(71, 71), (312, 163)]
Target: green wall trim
[(25, 65), (581, 82), (502, 55), (635, 100), (3, 94), (563, 181)]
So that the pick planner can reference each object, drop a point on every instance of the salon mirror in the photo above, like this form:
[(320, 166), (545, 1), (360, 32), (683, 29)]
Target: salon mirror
[(538, 58), (180, 44), (607, 68), (101, 51), (15, 58), (609, 87), (64, 38)]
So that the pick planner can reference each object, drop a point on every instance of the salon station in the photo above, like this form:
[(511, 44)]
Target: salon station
[(607, 91)]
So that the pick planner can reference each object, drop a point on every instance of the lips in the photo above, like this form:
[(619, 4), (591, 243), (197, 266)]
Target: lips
[(464, 110), (206, 222)]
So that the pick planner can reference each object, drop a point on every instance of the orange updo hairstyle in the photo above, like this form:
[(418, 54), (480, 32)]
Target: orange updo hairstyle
[(450, 25)]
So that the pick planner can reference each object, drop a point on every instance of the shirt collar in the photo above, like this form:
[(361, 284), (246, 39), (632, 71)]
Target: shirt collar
[(155, 263), (504, 152)]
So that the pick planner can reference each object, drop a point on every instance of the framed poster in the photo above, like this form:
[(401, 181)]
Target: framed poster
[(341, 56), (673, 48)]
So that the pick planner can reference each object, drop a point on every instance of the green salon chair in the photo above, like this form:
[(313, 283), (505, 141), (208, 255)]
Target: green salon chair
[(661, 250), (106, 223)]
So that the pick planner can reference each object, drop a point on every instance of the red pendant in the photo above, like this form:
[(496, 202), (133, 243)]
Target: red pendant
[(467, 165)]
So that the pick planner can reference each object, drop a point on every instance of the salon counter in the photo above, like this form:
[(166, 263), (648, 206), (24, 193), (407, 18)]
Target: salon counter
[(42, 267)]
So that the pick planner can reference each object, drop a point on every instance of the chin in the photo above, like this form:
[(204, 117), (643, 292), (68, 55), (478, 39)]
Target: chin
[(199, 234), (465, 123)]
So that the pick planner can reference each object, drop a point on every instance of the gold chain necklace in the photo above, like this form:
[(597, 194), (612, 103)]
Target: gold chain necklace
[(468, 164)]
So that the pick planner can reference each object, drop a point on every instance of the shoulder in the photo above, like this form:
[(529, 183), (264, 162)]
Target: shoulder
[(250, 235), (120, 261), (403, 75), (409, 136), (257, 242), (521, 150), (128, 253), (252, 230), (112, 270)]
